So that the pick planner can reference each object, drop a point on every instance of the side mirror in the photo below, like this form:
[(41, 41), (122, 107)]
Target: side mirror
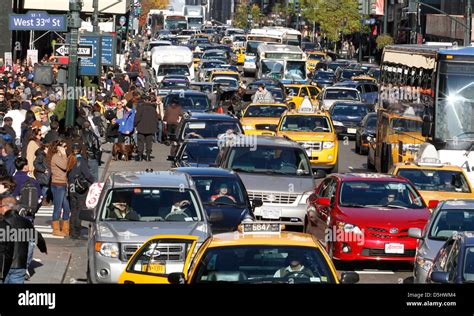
[(414, 233), (439, 277), (312, 198), (427, 126), (349, 277), (176, 278), (257, 203), (319, 174), (433, 204), (87, 215), (323, 201), (216, 216)]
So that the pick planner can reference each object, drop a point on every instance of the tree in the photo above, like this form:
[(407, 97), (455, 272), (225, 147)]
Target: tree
[(330, 16), (241, 19), (383, 40), (255, 12), (148, 5)]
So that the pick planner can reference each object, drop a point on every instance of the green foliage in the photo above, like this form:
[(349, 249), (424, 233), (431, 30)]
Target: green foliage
[(383, 40), (255, 12), (88, 83), (330, 16), (60, 109), (241, 19)]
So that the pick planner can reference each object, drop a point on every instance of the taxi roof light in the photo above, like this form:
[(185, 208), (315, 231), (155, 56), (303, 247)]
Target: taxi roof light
[(252, 228)]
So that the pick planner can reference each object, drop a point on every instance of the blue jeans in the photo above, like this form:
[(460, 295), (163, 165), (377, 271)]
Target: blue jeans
[(60, 201), (94, 168), (15, 276)]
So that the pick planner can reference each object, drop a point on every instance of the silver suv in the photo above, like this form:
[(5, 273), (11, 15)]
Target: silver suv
[(276, 171), (135, 206)]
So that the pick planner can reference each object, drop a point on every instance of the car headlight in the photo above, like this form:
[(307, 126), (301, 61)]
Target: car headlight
[(349, 228), (305, 197), (247, 127), (337, 123), (107, 249), (328, 145), (425, 264)]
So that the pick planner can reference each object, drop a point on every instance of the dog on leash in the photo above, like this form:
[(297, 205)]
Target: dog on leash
[(122, 148)]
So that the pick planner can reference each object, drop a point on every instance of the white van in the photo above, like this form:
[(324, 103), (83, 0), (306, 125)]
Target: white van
[(172, 60)]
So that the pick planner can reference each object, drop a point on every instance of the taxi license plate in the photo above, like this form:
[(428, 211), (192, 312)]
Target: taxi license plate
[(395, 248), (351, 130), (157, 268), (271, 213)]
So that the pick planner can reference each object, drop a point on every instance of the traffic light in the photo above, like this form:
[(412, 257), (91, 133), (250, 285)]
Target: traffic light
[(297, 5), (372, 7), (363, 8)]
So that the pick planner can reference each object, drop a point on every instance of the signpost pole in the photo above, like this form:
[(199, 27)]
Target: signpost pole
[(95, 17), (75, 7)]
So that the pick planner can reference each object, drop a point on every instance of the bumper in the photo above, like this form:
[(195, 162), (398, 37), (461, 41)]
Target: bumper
[(373, 249), (113, 266), (346, 131), (324, 159), (290, 215)]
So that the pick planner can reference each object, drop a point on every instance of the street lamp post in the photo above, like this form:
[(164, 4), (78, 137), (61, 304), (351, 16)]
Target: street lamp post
[(75, 7)]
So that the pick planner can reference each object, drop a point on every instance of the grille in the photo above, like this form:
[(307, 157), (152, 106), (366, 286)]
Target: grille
[(376, 252), (311, 145), (350, 124), (264, 126), (168, 252), (383, 233), (273, 198)]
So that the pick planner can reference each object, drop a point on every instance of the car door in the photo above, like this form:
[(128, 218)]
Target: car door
[(158, 257), (452, 263), (326, 190)]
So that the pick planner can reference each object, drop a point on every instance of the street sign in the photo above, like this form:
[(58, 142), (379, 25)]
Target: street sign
[(82, 50), (369, 21), (37, 21), (108, 49), (91, 66)]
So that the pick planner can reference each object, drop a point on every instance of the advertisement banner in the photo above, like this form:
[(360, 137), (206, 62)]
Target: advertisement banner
[(380, 7)]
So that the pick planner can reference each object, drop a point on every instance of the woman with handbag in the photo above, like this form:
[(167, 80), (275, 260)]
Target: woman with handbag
[(80, 179)]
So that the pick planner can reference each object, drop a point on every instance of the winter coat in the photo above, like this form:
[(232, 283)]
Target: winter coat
[(42, 172), (59, 170), (9, 162), (77, 171), (146, 119), (6, 251), (30, 154), (21, 178)]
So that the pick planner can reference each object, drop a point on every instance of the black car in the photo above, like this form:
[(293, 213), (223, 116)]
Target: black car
[(205, 125), (172, 83), (367, 128), (454, 263), (346, 116), (190, 100), (224, 197), (196, 152), (324, 79)]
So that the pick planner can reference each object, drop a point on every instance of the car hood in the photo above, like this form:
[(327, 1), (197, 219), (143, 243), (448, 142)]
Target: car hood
[(430, 248), (346, 118), (383, 217), (231, 216), (260, 120), (126, 231), (308, 136), (276, 183)]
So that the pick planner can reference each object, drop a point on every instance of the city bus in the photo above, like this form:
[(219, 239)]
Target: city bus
[(436, 83), (283, 62)]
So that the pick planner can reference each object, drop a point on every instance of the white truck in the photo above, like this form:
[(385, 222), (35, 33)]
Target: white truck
[(194, 15), (172, 60)]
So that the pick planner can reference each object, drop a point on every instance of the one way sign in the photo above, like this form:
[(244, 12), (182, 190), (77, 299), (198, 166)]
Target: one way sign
[(83, 50)]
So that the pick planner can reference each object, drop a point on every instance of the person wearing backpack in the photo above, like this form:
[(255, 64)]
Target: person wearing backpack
[(79, 181)]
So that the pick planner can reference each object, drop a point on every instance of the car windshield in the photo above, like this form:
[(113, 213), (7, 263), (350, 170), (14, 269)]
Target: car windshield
[(200, 153), (272, 69), (277, 94), (295, 70), (219, 190), (174, 84), (341, 94), (305, 123), (406, 125), (210, 55), (252, 47), (151, 204), (324, 75), (315, 57), (226, 83), (228, 75), (191, 102), (436, 180), (448, 221), (265, 111), (468, 272), (263, 264), (348, 74), (371, 122), (211, 64), (270, 159), (380, 194), (164, 70), (359, 110), (210, 129)]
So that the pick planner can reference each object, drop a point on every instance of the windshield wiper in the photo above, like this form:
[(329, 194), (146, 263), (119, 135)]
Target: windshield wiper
[(394, 206), (354, 205)]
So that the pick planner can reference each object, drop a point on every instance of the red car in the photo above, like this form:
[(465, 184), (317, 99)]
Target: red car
[(366, 216)]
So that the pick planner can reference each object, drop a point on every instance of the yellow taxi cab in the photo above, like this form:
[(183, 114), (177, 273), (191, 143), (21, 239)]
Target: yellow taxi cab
[(435, 181), (297, 92), (225, 73), (197, 59), (262, 118), (240, 54), (259, 252), (314, 57), (314, 131)]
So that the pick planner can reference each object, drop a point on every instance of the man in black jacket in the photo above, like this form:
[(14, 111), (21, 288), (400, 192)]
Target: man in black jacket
[(25, 232), (146, 123), (92, 145), (6, 251)]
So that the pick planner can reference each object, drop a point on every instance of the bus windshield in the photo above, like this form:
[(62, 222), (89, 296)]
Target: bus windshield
[(295, 70), (272, 69), (455, 104)]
